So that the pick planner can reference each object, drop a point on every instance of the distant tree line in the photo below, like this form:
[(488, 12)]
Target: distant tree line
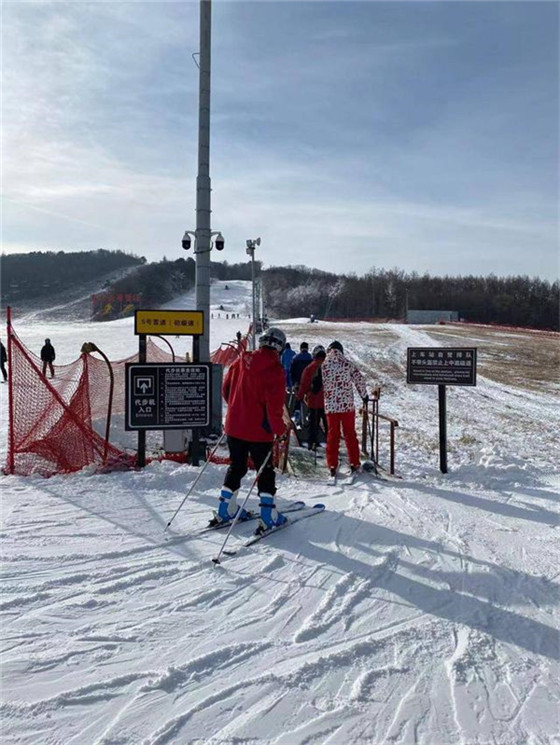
[(223, 270), (161, 281), (380, 293), (40, 274), (158, 282), (294, 290)]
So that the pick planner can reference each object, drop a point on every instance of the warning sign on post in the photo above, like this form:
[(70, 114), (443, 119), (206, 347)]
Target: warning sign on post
[(169, 322), (167, 396), (441, 365)]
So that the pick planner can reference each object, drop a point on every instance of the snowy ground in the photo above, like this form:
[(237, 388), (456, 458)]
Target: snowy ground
[(421, 610)]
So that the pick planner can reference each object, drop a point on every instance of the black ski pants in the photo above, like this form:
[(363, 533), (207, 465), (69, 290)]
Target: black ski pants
[(239, 452), (50, 366), (316, 416)]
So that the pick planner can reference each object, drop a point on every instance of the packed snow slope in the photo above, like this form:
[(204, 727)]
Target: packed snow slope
[(417, 610)]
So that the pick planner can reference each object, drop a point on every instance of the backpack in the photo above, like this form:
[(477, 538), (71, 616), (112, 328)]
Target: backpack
[(317, 381)]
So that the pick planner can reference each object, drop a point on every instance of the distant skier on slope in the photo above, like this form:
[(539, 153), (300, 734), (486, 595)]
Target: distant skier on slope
[(340, 377), (254, 389), (3, 360), (311, 390), (48, 356)]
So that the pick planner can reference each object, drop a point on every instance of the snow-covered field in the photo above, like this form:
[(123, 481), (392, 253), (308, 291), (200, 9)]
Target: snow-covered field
[(420, 610)]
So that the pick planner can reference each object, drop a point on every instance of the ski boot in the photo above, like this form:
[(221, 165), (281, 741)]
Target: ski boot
[(331, 481), (270, 517), (228, 508)]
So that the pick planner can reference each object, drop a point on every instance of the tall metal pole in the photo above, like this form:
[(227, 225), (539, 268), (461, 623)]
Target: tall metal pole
[(254, 299), (203, 189), (11, 433)]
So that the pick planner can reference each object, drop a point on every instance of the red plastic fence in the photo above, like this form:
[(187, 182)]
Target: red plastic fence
[(56, 424)]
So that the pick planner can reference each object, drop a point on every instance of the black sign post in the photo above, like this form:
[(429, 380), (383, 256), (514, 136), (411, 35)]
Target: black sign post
[(162, 322), (442, 409), (162, 395), (141, 456), (441, 366)]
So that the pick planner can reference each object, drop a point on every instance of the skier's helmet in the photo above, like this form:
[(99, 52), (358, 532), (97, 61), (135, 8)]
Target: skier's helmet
[(47, 341), (336, 345), (274, 338), (319, 351)]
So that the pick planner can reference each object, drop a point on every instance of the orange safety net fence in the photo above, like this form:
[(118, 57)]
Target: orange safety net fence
[(58, 425), (229, 351)]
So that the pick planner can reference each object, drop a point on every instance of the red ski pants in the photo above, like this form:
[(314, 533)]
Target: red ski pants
[(346, 420)]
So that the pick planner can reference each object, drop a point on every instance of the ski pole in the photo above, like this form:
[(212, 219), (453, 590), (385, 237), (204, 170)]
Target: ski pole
[(195, 482), (240, 510)]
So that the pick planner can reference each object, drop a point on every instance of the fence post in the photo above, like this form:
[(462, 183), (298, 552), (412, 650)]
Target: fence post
[(11, 456)]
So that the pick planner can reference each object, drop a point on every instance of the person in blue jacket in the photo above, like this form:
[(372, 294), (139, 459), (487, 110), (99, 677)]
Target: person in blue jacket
[(287, 356)]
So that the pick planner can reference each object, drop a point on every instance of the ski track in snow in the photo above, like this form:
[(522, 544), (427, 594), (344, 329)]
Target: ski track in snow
[(419, 611)]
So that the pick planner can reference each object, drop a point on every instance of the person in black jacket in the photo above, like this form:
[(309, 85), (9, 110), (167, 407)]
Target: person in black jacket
[(48, 357), (3, 360), (298, 365)]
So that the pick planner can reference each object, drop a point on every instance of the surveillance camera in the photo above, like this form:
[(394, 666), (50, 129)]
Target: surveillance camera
[(219, 242), (249, 244), (186, 242), (258, 242)]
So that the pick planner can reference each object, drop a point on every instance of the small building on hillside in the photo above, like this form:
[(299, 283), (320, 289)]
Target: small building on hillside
[(431, 316)]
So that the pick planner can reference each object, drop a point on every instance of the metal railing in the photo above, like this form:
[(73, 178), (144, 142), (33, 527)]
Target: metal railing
[(370, 431)]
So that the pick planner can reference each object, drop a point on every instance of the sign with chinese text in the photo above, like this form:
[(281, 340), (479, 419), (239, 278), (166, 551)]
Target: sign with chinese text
[(441, 365), (167, 396), (172, 322)]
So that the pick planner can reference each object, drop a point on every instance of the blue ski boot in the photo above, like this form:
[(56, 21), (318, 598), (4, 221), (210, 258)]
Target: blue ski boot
[(270, 517), (228, 506)]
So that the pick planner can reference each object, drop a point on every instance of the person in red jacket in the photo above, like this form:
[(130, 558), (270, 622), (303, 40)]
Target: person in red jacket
[(311, 391), (255, 390)]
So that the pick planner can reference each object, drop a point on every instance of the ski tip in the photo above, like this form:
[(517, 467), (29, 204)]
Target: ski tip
[(319, 506)]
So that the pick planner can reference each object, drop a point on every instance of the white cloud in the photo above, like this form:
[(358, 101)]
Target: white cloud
[(339, 156)]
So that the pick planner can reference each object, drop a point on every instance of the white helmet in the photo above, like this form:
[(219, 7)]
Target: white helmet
[(273, 338)]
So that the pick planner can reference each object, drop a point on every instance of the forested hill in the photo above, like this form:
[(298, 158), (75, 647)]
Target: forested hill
[(295, 291), (30, 279), (41, 279), (518, 301)]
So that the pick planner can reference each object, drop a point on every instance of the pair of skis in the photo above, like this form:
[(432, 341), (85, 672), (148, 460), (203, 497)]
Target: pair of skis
[(297, 511)]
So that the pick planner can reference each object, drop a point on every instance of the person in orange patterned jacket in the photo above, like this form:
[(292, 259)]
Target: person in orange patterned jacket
[(340, 377), (255, 391)]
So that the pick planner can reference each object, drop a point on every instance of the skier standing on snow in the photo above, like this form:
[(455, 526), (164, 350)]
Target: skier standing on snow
[(340, 377), (254, 389), (287, 356), (48, 357), (311, 391), (3, 360)]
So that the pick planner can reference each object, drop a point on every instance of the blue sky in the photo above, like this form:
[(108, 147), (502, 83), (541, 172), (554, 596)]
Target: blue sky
[(347, 135)]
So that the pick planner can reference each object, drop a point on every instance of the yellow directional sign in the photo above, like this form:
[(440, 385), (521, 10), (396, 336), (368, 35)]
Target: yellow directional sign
[(170, 322)]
